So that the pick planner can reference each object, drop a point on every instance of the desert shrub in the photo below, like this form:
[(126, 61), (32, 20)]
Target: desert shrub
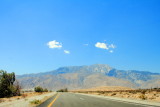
[(45, 90), (38, 89), (143, 91), (60, 90), (35, 102), (63, 90), (113, 94), (101, 92), (143, 97), (18, 98)]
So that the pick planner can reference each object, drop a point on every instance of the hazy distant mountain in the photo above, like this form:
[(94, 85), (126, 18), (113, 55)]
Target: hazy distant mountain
[(80, 77)]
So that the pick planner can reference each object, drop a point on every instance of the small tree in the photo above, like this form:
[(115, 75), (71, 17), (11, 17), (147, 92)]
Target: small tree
[(7, 86), (38, 89)]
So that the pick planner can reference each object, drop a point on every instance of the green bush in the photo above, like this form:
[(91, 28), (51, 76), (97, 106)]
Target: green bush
[(63, 90), (35, 102), (7, 86), (38, 89)]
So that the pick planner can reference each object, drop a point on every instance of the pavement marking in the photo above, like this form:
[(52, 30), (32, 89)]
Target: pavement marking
[(53, 101)]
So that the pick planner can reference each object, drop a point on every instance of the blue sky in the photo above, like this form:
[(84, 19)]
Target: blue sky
[(42, 35)]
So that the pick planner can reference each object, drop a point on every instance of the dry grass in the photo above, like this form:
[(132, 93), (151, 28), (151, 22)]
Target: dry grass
[(1, 100), (23, 96)]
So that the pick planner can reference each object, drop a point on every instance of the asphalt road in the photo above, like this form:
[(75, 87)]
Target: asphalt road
[(78, 100)]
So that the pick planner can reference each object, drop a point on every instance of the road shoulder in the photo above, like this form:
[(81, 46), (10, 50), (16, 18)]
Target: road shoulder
[(25, 102)]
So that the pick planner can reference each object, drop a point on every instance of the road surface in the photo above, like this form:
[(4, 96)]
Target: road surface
[(78, 100)]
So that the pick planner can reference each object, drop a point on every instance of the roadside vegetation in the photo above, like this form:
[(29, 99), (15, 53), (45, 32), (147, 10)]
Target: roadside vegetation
[(40, 89), (9, 86), (36, 102), (63, 90), (143, 94), (10, 92)]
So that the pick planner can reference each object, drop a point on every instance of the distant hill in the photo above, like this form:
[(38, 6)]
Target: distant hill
[(80, 77)]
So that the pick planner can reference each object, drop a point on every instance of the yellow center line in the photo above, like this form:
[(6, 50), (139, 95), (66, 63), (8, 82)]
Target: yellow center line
[(53, 101)]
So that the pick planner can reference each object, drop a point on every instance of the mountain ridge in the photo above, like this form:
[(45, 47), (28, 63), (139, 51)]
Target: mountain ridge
[(86, 66), (78, 77)]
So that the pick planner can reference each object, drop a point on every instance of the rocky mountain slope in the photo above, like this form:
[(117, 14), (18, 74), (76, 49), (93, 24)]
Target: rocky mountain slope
[(80, 77)]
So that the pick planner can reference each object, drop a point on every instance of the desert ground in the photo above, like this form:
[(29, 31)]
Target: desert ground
[(124, 92), (26, 99)]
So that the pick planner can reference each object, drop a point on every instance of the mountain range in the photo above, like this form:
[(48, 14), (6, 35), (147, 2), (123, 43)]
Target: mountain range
[(82, 77)]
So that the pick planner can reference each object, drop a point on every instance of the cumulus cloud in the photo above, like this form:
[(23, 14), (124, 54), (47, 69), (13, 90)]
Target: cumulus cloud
[(112, 46), (54, 44), (66, 52), (106, 46), (101, 45)]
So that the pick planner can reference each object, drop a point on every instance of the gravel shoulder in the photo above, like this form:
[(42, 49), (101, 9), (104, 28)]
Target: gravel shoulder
[(25, 102)]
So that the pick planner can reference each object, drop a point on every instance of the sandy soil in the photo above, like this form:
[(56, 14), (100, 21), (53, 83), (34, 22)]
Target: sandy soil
[(123, 92), (25, 99), (150, 96), (126, 100)]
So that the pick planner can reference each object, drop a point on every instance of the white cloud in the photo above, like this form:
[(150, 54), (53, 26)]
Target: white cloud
[(101, 45), (54, 44), (111, 51), (109, 47), (112, 46), (66, 52)]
